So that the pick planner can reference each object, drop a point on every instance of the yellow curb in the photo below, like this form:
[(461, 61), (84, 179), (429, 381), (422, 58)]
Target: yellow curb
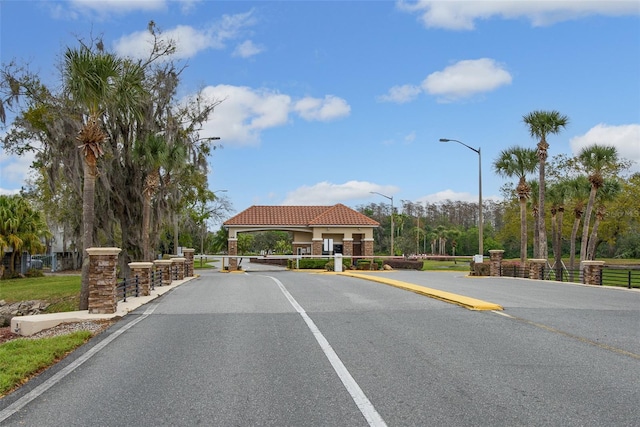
[(461, 300)]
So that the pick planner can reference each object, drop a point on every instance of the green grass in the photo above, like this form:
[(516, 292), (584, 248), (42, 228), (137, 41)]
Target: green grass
[(22, 358), (435, 265), (62, 292)]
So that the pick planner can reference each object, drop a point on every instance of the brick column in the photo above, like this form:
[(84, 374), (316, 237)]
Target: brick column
[(103, 264), (143, 271), (592, 272), (177, 266), (316, 247), (536, 268), (233, 250), (367, 249), (189, 255), (347, 247), (164, 267), (495, 262)]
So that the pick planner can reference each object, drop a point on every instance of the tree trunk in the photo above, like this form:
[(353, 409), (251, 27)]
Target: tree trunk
[(558, 244), (523, 231), (591, 247), (536, 235), (587, 220), (88, 203), (554, 232), (543, 251), (146, 228)]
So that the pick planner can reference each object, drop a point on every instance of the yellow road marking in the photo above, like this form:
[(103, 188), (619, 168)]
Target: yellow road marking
[(461, 300)]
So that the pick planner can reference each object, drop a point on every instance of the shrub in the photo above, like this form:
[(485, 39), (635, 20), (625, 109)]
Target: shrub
[(33, 272), (404, 264), (479, 268)]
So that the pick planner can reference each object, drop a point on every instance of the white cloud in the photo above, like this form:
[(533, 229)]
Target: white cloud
[(247, 49), (14, 170), (326, 193), (626, 139), (449, 194), (466, 78), (329, 108), (244, 113), (189, 41), (105, 7), (401, 94), (462, 15)]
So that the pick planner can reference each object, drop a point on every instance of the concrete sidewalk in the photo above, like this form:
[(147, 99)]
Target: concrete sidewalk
[(29, 325)]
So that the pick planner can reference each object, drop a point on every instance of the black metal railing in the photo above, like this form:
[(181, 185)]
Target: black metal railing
[(156, 279), (629, 278), (621, 277), (127, 288)]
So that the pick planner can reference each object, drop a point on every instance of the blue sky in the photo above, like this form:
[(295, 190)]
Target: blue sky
[(327, 101)]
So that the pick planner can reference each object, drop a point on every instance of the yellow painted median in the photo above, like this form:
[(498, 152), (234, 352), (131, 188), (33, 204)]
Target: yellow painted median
[(466, 302)]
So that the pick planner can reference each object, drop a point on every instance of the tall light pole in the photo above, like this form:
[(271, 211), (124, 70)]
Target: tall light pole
[(390, 198), (480, 223)]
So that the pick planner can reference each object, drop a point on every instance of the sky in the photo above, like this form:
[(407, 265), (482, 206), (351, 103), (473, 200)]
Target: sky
[(329, 102)]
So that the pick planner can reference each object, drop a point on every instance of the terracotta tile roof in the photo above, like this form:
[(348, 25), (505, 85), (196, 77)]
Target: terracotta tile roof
[(301, 216)]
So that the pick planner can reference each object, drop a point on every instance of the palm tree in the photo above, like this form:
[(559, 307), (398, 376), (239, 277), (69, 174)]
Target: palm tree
[(94, 80), (21, 228), (608, 192), (541, 124), (535, 212), (152, 155), (518, 162), (578, 191), (596, 160), (557, 194)]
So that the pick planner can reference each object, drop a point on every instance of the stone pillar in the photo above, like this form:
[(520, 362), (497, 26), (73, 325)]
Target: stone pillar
[(233, 250), (347, 247), (536, 268), (495, 262), (592, 272), (177, 267), (189, 255), (103, 264), (164, 267), (316, 247), (143, 271), (367, 249)]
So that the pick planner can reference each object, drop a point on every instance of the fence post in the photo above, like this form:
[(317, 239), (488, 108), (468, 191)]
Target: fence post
[(103, 280), (536, 268), (178, 264), (143, 271), (189, 255), (495, 262), (592, 272), (164, 267)]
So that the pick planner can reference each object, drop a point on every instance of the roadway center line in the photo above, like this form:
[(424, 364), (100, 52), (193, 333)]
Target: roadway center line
[(366, 407), (572, 336), (39, 390)]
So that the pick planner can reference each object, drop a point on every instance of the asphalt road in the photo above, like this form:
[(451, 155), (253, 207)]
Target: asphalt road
[(278, 348)]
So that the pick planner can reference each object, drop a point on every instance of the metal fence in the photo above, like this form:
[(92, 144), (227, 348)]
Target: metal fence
[(621, 277), (156, 279), (127, 288)]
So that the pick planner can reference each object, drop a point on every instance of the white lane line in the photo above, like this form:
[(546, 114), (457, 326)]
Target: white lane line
[(502, 314), (366, 407), (36, 392)]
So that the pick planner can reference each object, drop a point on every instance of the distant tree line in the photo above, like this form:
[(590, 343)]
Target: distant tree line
[(579, 208)]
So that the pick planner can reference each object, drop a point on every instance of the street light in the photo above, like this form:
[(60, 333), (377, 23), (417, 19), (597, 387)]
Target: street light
[(480, 224), (390, 198)]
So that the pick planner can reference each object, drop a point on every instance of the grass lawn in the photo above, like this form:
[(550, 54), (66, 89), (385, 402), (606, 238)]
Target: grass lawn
[(62, 291), (23, 358), (436, 265)]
